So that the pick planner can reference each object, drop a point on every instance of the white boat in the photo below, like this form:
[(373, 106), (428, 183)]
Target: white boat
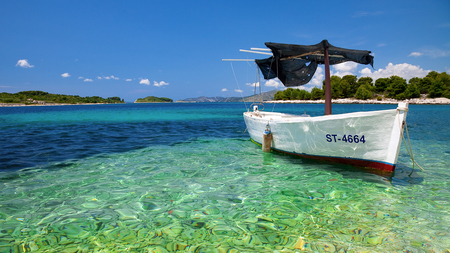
[(366, 139), (370, 139)]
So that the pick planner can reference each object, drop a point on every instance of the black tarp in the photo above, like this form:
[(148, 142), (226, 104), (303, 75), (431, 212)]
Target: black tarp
[(295, 65)]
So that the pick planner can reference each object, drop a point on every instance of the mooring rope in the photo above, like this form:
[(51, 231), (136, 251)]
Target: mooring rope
[(410, 153), (408, 149)]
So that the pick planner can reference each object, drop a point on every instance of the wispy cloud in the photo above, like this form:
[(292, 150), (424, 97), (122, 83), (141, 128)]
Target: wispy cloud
[(24, 64), (88, 80), (238, 90), (107, 77), (360, 14), (432, 53), (80, 77), (224, 89), (129, 80), (162, 83), (415, 54), (65, 75)]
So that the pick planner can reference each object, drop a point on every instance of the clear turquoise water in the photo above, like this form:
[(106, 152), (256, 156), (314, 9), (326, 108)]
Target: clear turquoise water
[(186, 177)]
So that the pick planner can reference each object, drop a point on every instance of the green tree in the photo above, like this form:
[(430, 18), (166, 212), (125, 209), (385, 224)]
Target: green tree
[(363, 92), (412, 91), (352, 81), (345, 89), (295, 94), (381, 84), (279, 95), (425, 84), (368, 82), (316, 93), (437, 88), (305, 95), (433, 75), (287, 93), (396, 86)]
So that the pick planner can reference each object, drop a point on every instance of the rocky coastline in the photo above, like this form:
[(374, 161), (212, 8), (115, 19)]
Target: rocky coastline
[(417, 101), (46, 104)]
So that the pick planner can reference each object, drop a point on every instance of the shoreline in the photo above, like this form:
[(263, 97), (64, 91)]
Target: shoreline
[(52, 104), (414, 101)]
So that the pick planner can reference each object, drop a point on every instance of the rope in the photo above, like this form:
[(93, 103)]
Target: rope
[(408, 149), (238, 85), (410, 153)]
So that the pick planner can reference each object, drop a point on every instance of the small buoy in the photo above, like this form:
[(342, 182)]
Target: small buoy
[(267, 139)]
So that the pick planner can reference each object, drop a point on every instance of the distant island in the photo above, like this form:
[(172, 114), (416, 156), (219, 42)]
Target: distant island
[(152, 99), (45, 98), (265, 96)]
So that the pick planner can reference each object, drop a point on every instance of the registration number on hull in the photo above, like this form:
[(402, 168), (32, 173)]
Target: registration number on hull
[(346, 138)]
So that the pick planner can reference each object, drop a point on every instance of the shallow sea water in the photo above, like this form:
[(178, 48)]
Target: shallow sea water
[(186, 178)]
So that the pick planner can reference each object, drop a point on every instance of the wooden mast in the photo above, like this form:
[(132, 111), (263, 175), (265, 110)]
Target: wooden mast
[(327, 84)]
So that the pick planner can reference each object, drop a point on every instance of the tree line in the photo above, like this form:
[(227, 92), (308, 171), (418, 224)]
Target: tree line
[(35, 97), (434, 85)]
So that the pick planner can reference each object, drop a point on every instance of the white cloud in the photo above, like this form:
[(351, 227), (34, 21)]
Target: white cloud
[(253, 84), (343, 69), (237, 90), (415, 54), (128, 80), (24, 64), (318, 77), (80, 77), (224, 89), (273, 83), (404, 70), (145, 81), (65, 75), (160, 83), (98, 77), (88, 80)]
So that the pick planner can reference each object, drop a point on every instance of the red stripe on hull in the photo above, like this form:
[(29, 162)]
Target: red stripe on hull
[(372, 166), (355, 162)]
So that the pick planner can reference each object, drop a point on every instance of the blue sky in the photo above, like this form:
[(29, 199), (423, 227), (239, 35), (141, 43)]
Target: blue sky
[(134, 49)]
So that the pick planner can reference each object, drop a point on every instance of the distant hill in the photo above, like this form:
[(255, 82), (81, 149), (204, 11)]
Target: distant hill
[(265, 97), (152, 99)]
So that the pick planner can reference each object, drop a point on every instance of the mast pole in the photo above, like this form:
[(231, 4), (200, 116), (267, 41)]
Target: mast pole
[(327, 84)]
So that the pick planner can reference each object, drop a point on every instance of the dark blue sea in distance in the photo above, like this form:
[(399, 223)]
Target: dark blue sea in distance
[(168, 177)]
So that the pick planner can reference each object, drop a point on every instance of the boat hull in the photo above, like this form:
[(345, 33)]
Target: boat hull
[(364, 139)]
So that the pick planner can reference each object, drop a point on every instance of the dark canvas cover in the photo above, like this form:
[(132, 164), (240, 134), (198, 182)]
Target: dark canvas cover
[(295, 65)]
